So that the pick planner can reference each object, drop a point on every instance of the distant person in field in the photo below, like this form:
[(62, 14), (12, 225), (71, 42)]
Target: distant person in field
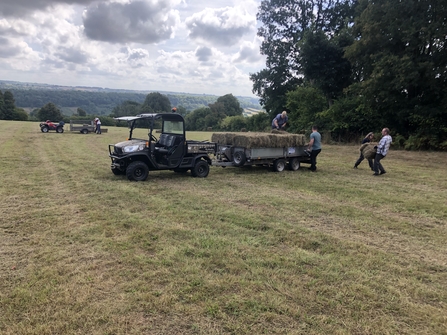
[(382, 151), (368, 139), (314, 147), (280, 121), (98, 126)]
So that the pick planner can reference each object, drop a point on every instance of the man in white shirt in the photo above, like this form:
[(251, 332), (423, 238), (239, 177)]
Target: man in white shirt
[(382, 150)]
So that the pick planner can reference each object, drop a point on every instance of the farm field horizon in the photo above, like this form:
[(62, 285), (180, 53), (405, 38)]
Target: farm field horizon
[(243, 251)]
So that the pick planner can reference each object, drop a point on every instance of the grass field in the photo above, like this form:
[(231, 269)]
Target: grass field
[(243, 251)]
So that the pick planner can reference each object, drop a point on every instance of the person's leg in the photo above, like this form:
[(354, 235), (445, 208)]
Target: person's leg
[(377, 165), (313, 159), (99, 129), (361, 158), (371, 164)]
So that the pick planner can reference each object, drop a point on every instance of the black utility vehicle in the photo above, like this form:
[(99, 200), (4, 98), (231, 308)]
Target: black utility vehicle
[(143, 152)]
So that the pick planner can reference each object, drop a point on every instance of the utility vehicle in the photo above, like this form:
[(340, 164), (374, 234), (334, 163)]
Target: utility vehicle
[(143, 151)]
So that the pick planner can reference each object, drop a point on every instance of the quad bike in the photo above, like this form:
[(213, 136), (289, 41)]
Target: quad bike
[(46, 126)]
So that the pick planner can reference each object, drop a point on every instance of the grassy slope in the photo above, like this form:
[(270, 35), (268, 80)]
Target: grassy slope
[(244, 251)]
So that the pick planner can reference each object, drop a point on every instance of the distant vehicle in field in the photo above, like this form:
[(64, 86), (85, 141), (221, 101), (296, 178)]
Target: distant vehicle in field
[(48, 125), (83, 126)]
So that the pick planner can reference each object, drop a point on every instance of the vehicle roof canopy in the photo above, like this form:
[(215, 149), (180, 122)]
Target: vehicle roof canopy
[(163, 116)]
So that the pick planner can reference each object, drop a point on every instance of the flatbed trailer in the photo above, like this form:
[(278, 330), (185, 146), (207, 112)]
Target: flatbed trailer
[(277, 158), (84, 126)]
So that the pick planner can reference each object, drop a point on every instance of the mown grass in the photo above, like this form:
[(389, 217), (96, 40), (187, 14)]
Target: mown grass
[(243, 251)]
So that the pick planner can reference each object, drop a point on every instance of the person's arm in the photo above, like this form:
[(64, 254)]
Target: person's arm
[(311, 143), (284, 124)]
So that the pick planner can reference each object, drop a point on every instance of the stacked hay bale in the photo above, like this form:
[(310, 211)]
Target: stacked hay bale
[(368, 151), (259, 140)]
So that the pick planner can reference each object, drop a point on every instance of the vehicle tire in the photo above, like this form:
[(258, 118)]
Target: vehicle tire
[(137, 171), (44, 129), (59, 130), (239, 158), (201, 169), (279, 165), (118, 172), (294, 163), (84, 131)]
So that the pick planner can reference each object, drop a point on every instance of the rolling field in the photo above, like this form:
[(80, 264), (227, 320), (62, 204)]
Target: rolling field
[(243, 251)]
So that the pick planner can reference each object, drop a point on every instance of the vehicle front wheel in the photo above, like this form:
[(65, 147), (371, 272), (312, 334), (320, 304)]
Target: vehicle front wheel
[(137, 171), (279, 165), (44, 129), (294, 164), (201, 169)]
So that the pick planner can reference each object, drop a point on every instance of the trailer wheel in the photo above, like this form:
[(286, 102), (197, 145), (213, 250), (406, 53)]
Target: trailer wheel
[(294, 164), (239, 158), (137, 171), (84, 131), (201, 169), (59, 129), (279, 165)]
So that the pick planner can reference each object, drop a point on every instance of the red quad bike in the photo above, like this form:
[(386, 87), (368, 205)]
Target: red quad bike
[(46, 126)]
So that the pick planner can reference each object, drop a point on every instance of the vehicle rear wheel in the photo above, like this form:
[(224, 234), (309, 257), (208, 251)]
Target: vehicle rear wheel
[(84, 131), (294, 164), (239, 158), (44, 129), (137, 171), (279, 165), (201, 169), (59, 129)]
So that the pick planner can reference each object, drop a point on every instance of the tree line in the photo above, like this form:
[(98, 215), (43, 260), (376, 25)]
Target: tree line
[(354, 66), (225, 113)]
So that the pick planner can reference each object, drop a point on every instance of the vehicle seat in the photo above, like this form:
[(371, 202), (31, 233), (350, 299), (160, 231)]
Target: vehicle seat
[(165, 143)]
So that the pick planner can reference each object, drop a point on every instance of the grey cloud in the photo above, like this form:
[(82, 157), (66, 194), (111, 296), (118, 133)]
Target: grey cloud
[(138, 21), (18, 8), (71, 55), (248, 54), (203, 54), (7, 49), (218, 27)]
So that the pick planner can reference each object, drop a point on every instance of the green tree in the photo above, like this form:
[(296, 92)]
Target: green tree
[(233, 123), (8, 106), (2, 105), (400, 59), (81, 112), (227, 105), (20, 115), (156, 103), (126, 108), (284, 24), (259, 122), (49, 112)]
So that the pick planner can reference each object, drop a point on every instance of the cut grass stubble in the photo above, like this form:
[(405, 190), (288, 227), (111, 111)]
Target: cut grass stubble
[(242, 251)]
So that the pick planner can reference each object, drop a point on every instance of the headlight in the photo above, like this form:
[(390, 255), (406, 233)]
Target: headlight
[(133, 148)]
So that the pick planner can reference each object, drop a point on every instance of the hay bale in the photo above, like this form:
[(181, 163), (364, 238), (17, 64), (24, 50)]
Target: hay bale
[(259, 140), (368, 151)]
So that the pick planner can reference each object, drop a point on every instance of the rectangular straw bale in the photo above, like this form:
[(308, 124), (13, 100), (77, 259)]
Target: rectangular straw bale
[(259, 140), (368, 150)]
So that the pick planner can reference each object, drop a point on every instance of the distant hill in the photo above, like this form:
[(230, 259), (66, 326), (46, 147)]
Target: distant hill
[(101, 101)]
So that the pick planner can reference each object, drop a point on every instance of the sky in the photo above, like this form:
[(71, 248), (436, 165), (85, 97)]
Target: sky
[(191, 46)]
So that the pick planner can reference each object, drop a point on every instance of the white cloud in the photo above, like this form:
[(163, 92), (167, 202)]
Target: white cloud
[(168, 45)]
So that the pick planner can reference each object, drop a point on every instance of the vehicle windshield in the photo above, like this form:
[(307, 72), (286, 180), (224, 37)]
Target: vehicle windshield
[(142, 128), (173, 127)]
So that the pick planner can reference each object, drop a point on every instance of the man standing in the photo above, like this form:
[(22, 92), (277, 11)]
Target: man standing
[(382, 150), (280, 120), (98, 126), (314, 147)]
